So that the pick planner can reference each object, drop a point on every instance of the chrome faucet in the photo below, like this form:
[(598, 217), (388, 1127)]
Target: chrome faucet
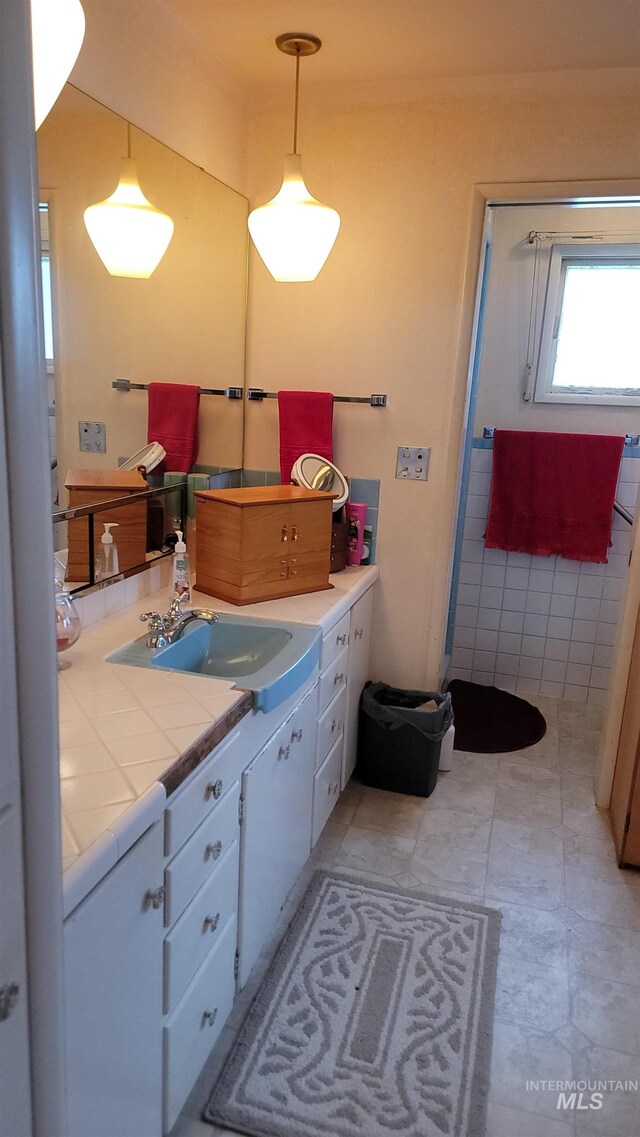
[(165, 630)]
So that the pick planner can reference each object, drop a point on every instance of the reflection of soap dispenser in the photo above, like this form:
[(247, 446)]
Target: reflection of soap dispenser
[(180, 578), (107, 554)]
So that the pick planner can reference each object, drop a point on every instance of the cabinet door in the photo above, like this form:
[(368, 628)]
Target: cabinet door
[(275, 841), (358, 674), (309, 527), (113, 992)]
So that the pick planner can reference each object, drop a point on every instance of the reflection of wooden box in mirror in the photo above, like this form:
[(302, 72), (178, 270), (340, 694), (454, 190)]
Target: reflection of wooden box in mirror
[(89, 487), (262, 543)]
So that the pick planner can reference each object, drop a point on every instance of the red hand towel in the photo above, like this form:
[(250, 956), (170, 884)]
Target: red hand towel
[(173, 422), (306, 427), (553, 493)]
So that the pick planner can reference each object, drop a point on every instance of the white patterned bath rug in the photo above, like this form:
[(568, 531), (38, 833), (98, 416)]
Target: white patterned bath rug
[(374, 1020)]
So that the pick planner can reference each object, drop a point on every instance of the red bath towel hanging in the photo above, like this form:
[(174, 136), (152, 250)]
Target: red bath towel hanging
[(173, 422), (553, 493), (306, 427)]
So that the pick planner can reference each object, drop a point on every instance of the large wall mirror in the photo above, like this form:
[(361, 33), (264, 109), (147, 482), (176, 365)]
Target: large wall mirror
[(186, 324)]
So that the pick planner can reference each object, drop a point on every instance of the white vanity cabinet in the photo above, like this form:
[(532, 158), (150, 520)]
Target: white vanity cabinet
[(276, 827), (113, 999), (358, 674)]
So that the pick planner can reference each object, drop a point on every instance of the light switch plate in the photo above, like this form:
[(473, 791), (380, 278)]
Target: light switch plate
[(413, 463), (93, 437)]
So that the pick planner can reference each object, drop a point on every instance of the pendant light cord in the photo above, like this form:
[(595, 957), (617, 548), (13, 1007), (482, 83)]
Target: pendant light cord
[(295, 104)]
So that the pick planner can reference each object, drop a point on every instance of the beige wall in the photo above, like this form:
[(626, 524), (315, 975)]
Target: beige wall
[(391, 310)]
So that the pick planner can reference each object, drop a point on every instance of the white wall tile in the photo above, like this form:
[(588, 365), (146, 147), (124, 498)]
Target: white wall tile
[(586, 608), (484, 661), (473, 551), (538, 602), (547, 564), (529, 668), (549, 688), (93, 607), (554, 669), (495, 557), (490, 597), (535, 624), (486, 640), (575, 693), (470, 572), (606, 633), (578, 673), (519, 560), (528, 686), (493, 575), (517, 577), (562, 605), (565, 583), (483, 677), (590, 586), (511, 621), (584, 631), (489, 618), (580, 653), (462, 657), (507, 664), (509, 642), (609, 611), (630, 470), (621, 541), (563, 565), (468, 594), (459, 673), (597, 696), (556, 649), (477, 506), (600, 677), (603, 655), (466, 615), (627, 495), (464, 637), (559, 627), (591, 568), (481, 460), (514, 600), (540, 581), (613, 588), (480, 482), (618, 565), (506, 682), (533, 646)]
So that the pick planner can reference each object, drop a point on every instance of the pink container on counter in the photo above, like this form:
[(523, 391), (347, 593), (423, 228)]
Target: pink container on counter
[(356, 517)]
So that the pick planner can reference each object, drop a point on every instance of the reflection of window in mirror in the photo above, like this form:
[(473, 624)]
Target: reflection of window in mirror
[(47, 312)]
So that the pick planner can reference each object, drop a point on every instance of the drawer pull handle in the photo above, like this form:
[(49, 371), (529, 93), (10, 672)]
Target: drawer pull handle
[(336, 725), (342, 639), (294, 572), (358, 634), (283, 752), (211, 923), (293, 560), (213, 850), (283, 534), (296, 735), (209, 1017), (154, 897), (338, 678), (294, 532), (214, 789)]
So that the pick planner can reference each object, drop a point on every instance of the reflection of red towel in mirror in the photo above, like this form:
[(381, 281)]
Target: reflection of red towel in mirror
[(306, 427), (173, 422), (553, 493)]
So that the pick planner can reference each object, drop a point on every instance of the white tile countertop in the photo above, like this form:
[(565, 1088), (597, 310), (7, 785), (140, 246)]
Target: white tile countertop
[(122, 728)]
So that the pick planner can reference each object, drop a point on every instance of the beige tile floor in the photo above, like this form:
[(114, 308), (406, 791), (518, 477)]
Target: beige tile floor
[(519, 832)]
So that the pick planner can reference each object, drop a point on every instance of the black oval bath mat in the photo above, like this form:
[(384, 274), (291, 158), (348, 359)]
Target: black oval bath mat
[(490, 721)]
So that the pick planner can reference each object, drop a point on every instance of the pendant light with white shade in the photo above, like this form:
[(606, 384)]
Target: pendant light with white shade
[(293, 232), (57, 31), (130, 234)]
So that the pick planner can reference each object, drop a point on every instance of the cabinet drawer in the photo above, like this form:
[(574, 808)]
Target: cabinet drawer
[(331, 726), (332, 679), (326, 789), (200, 926), (203, 792), (200, 856), (333, 642), (194, 1026)]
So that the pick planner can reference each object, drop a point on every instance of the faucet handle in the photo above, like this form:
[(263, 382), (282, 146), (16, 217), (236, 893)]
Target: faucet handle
[(154, 619), (175, 611)]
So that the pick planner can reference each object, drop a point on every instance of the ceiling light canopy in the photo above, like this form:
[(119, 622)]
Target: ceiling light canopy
[(130, 234), (293, 232), (57, 31)]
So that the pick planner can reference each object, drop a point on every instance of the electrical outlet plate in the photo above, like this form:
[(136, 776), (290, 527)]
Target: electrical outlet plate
[(413, 463), (93, 437)]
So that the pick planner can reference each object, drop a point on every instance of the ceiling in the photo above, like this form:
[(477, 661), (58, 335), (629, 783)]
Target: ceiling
[(380, 41)]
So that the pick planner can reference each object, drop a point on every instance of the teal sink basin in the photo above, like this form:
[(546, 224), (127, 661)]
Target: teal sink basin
[(268, 657)]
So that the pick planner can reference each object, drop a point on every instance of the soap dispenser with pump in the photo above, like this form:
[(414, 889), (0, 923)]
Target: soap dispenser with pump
[(107, 554), (180, 574)]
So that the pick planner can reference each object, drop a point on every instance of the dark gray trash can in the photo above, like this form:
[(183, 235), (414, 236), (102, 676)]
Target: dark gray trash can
[(399, 746)]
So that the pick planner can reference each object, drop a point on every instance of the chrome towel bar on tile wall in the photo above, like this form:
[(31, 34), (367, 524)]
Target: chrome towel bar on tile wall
[(629, 439), (256, 395), (228, 392)]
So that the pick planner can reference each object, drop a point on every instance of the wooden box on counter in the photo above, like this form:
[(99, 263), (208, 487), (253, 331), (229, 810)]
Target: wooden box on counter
[(87, 487), (262, 543)]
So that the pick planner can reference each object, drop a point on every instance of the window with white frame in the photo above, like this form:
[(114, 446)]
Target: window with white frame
[(590, 335)]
